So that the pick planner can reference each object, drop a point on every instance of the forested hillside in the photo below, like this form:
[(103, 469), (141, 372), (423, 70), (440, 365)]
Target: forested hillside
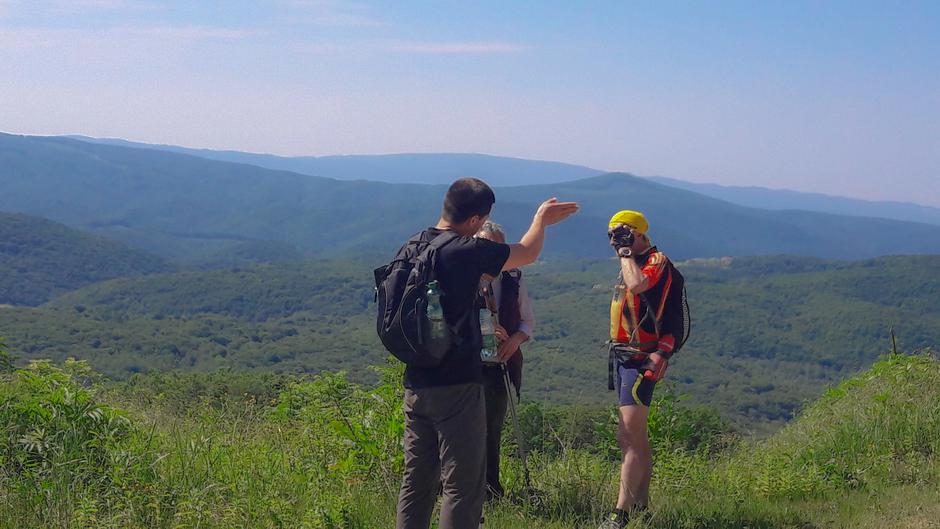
[(768, 333), (40, 259)]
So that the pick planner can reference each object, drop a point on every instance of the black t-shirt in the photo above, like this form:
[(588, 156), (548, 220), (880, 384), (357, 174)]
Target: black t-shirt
[(460, 265)]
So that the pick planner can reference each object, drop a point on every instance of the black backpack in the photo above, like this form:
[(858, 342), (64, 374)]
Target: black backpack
[(401, 294), (676, 319)]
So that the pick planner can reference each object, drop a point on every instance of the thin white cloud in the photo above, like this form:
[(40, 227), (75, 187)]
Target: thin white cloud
[(74, 6), (330, 48), (376, 47), (190, 32), (332, 13), (116, 37), (106, 5), (458, 48), (7, 8)]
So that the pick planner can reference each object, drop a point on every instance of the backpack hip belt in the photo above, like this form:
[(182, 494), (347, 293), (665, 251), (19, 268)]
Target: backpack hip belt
[(621, 353)]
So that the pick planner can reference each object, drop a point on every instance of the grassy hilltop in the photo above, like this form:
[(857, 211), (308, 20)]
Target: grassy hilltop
[(262, 450)]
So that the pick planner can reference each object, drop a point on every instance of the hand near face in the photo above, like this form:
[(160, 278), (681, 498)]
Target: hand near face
[(621, 236)]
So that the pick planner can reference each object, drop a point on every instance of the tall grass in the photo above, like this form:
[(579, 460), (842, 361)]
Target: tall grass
[(207, 451)]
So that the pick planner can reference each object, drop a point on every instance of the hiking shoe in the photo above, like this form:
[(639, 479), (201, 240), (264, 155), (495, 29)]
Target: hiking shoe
[(614, 521)]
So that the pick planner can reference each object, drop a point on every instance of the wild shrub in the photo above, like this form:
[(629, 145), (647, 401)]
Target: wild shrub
[(551, 430), (59, 445), (223, 389), (358, 430), (675, 426), (50, 418), (6, 361)]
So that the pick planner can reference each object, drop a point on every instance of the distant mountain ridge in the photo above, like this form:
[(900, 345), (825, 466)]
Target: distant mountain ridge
[(441, 168), (187, 207), (781, 199), (405, 168)]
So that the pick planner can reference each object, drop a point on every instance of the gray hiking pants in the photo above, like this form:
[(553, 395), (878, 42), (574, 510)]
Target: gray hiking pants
[(445, 446)]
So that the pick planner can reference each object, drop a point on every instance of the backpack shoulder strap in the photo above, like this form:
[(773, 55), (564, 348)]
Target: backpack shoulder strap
[(418, 244), (442, 239), (424, 255)]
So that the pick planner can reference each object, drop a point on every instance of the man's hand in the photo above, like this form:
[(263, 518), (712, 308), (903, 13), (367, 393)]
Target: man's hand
[(528, 249), (510, 346), (501, 334), (656, 367), (552, 211)]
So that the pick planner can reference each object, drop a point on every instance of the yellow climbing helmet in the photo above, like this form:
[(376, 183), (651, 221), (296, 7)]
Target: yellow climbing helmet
[(635, 219)]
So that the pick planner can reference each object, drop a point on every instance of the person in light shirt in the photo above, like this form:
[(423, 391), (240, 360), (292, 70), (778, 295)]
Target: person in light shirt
[(508, 298)]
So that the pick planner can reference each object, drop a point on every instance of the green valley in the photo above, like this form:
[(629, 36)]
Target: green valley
[(40, 259), (769, 333)]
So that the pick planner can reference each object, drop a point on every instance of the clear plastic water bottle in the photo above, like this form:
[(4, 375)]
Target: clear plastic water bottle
[(488, 330), (435, 310)]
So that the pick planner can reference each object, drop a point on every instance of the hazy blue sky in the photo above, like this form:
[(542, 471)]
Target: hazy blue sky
[(837, 97)]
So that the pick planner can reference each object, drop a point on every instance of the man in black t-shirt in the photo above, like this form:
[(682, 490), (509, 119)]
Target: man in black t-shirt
[(445, 421)]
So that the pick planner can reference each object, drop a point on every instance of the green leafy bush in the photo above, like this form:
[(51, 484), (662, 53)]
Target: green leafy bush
[(6, 361), (50, 417), (360, 430), (673, 426), (59, 445)]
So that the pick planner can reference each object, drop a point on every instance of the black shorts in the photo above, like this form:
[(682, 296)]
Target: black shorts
[(633, 388)]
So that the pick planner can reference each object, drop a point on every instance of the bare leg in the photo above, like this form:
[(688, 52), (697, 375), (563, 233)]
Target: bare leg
[(637, 466)]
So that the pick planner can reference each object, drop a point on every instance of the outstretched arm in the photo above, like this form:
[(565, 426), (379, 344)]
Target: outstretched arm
[(527, 250)]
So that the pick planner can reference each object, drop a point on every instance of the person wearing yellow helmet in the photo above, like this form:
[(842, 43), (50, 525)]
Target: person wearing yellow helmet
[(639, 352)]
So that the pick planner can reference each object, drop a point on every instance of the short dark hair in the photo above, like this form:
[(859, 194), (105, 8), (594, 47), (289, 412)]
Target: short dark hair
[(467, 197)]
